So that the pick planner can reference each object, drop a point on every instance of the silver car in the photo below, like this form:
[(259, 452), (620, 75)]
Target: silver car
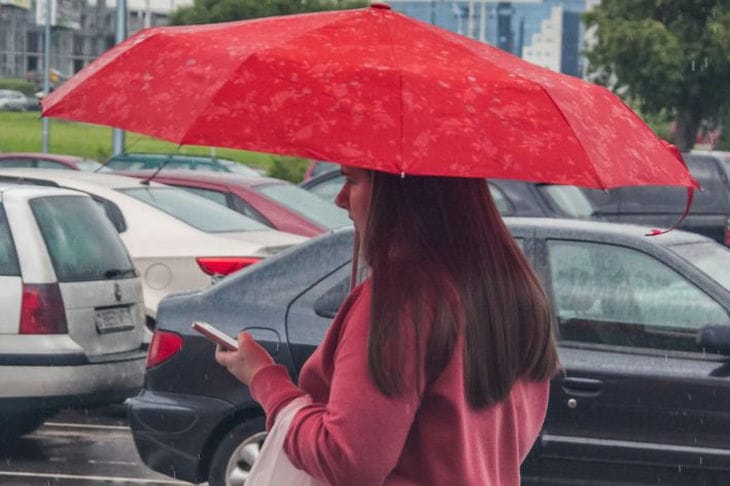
[(72, 323), (13, 100)]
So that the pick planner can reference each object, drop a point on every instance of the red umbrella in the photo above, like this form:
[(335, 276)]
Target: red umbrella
[(369, 88)]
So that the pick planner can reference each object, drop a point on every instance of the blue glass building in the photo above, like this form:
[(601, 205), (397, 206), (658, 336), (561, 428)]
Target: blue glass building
[(546, 32)]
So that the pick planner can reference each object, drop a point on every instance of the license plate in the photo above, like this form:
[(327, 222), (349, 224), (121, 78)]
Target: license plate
[(113, 319)]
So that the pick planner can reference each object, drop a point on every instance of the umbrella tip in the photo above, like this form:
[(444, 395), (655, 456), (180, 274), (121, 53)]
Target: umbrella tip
[(382, 5)]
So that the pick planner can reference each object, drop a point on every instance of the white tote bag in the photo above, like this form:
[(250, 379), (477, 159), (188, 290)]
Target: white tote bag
[(272, 467)]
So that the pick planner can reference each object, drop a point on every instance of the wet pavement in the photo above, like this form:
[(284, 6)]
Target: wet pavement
[(81, 448)]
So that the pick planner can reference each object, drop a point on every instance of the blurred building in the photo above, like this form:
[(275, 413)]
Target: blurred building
[(546, 32), (81, 30)]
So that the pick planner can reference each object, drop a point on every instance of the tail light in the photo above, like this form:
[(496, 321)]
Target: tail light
[(162, 347), (42, 310), (224, 265)]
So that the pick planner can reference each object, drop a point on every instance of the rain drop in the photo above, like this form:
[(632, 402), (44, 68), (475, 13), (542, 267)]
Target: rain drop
[(693, 64), (700, 460), (689, 397)]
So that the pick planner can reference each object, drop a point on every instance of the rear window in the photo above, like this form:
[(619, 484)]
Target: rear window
[(314, 208), (82, 243), (196, 211), (8, 258), (567, 200)]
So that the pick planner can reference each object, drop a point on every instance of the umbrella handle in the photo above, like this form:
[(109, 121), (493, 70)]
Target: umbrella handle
[(690, 197)]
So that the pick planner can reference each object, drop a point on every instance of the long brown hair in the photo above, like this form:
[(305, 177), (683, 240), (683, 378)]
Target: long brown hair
[(439, 250)]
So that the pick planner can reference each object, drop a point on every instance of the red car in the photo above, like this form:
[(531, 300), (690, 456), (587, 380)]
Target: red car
[(47, 161), (274, 202)]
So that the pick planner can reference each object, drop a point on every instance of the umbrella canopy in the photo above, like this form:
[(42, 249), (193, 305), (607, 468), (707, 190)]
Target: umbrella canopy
[(369, 88)]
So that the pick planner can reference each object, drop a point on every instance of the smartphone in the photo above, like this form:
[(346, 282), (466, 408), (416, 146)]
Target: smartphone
[(216, 335)]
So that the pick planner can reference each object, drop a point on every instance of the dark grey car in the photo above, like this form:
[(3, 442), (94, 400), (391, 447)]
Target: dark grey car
[(643, 398), (512, 197), (661, 207)]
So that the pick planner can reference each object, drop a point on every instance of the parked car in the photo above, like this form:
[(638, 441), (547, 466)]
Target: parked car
[(714, 157), (318, 167), (273, 202), (14, 100), (142, 161), (37, 160), (73, 318), (644, 336), (177, 240), (513, 198), (661, 207)]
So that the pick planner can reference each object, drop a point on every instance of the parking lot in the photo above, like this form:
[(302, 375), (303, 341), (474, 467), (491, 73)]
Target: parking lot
[(80, 447)]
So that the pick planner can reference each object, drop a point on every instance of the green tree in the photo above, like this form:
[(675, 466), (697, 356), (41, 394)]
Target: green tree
[(666, 55), (210, 11)]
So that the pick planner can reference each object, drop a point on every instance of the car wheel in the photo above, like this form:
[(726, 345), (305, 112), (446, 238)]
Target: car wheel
[(235, 455)]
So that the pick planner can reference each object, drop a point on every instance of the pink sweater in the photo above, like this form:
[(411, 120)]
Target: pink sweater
[(354, 435)]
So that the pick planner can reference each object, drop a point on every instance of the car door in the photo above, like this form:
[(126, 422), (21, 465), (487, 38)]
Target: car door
[(637, 401)]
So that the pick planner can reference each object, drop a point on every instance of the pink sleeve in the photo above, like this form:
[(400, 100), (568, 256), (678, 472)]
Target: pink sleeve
[(357, 437), (273, 389)]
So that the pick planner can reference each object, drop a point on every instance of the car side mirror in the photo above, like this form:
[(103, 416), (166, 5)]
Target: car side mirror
[(714, 338)]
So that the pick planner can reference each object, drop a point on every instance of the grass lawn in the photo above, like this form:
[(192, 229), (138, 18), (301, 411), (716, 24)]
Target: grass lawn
[(22, 132)]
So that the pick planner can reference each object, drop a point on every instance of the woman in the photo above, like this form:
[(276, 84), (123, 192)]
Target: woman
[(436, 369)]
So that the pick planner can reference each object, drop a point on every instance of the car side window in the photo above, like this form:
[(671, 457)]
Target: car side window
[(504, 206), (8, 258), (612, 295), (16, 163), (49, 164), (246, 209)]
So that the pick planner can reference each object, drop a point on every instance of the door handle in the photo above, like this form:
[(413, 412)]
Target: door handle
[(582, 387)]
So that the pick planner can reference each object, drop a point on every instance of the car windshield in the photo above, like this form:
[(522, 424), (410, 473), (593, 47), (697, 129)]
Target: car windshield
[(238, 168), (710, 257), (569, 200), (194, 210), (88, 165), (305, 203), (82, 243)]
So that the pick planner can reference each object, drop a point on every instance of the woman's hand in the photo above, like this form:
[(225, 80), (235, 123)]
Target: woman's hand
[(250, 358)]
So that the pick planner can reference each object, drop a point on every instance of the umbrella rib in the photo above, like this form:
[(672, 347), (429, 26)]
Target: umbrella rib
[(397, 63), (577, 139)]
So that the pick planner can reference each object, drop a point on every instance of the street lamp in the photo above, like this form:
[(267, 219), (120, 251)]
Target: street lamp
[(118, 134), (46, 73)]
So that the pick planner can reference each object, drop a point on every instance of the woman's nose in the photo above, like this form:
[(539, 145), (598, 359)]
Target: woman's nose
[(342, 198)]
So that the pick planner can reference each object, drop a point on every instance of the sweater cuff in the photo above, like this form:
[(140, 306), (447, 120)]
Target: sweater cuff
[(272, 388)]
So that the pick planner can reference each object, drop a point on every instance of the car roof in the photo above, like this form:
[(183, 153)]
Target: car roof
[(41, 155), (607, 231), (76, 179), (222, 178), (49, 190), (162, 157)]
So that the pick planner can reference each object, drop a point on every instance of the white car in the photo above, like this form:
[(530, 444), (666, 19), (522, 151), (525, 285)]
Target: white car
[(177, 240), (13, 100), (72, 324)]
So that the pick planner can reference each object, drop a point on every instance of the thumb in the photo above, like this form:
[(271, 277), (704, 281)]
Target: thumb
[(245, 340)]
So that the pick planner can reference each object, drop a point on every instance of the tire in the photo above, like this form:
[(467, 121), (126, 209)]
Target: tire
[(236, 453), (15, 425)]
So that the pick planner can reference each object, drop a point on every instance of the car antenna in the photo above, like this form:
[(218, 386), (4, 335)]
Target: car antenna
[(146, 181)]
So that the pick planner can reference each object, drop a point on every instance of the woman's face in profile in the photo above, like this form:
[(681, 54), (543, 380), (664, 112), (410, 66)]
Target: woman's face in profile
[(355, 195)]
